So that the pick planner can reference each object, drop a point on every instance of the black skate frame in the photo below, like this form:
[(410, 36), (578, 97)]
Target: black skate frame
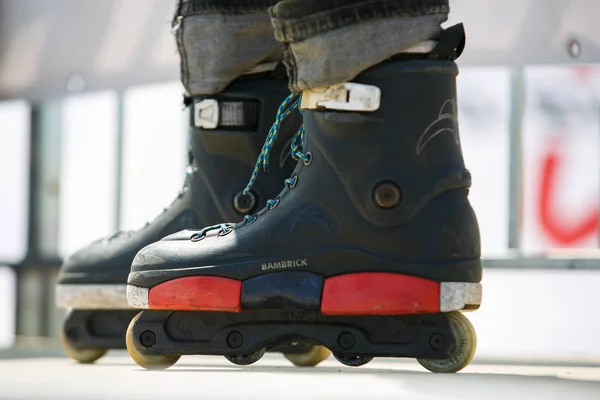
[(212, 333)]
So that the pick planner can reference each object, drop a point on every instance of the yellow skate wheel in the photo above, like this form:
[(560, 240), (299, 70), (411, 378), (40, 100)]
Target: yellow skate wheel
[(140, 355), (82, 356), (465, 344), (312, 357)]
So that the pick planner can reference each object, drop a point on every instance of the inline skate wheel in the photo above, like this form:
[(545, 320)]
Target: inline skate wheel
[(465, 344), (82, 356), (352, 361), (141, 357), (248, 358), (312, 357)]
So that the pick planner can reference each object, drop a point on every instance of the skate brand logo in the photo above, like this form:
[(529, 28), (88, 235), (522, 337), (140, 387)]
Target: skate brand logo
[(300, 262), (447, 121)]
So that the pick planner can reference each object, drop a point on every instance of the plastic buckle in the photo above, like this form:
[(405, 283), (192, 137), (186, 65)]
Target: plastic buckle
[(206, 114), (346, 96)]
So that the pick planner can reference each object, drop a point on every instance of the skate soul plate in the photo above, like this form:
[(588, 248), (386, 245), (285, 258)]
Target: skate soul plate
[(232, 334), (97, 329), (361, 293)]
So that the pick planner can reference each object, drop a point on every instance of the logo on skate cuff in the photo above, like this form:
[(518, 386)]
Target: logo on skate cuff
[(300, 262)]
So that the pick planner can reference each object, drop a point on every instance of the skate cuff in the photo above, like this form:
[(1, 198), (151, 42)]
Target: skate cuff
[(347, 96)]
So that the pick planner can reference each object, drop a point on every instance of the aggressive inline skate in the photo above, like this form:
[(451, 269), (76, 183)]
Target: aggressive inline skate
[(227, 132), (372, 248)]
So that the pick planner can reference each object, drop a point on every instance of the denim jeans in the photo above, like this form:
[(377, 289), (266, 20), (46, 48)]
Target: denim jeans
[(321, 42)]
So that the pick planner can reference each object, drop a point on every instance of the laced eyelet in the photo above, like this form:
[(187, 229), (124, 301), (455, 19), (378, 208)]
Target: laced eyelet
[(308, 158), (271, 204), (225, 231), (249, 219), (291, 182), (196, 237)]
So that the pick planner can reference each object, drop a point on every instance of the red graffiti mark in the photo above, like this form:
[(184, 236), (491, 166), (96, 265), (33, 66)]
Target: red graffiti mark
[(562, 232), (585, 73)]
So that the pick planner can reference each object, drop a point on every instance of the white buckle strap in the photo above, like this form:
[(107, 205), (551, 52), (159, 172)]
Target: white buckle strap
[(213, 114), (206, 114), (346, 96)]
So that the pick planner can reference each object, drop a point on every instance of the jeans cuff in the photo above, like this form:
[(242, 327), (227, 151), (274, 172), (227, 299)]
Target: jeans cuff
[(298, 20), (215, 49), (340, 55), (191, 7)]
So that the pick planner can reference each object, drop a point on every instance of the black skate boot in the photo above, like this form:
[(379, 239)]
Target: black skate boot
[(372, 249), (230, 129)]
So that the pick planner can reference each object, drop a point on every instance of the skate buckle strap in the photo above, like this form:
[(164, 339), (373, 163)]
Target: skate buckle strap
[(211, 114), (347, 96), (206, 114)]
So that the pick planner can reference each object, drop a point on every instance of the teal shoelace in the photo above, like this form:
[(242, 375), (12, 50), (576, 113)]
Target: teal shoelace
[(287, 107)]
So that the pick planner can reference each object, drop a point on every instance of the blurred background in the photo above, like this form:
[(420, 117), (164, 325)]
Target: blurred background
[(93, 138)]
